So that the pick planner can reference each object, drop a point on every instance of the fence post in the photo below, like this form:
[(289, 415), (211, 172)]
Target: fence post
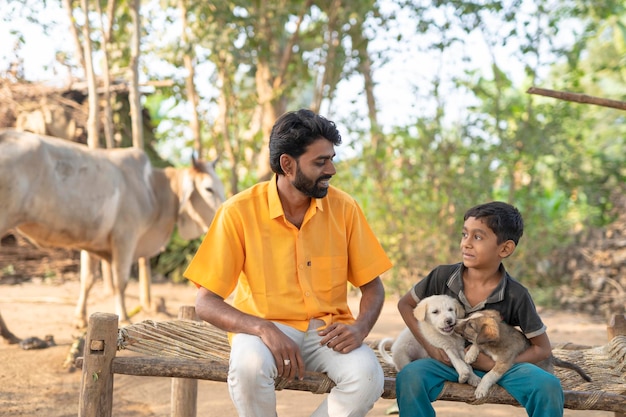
[(96, 394), (185, 390)]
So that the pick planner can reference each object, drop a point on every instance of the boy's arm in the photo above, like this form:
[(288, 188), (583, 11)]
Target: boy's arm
[(406, 306), (482, 362), (539, 350)]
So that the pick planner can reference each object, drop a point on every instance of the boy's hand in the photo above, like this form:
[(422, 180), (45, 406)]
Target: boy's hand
[(482, 362), (440, 355)]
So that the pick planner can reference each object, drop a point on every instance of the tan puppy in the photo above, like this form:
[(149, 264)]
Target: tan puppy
[(502, 343), (437, 315)]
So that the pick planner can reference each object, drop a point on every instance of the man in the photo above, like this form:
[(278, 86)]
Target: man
[(289, 247)]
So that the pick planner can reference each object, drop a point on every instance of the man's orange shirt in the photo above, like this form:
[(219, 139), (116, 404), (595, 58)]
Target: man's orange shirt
[(282, 273)]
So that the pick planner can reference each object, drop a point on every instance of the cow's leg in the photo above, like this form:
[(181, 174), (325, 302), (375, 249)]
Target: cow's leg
[(88, 265), (120, 266), (107, 277), (145, 274), (6, 334)]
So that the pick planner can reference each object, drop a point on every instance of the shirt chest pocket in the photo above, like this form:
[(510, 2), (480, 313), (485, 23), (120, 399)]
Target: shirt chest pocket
[(329, 273)]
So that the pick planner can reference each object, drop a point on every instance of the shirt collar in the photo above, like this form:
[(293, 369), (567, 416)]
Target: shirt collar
[(455, 283), (498, 294), (275, 206)]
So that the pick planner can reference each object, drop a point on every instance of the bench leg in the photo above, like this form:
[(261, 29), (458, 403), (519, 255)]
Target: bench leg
[(96, 392), (185, 390)]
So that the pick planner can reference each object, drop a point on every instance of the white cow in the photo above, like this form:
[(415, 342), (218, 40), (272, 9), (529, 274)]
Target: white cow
[(110, 203)]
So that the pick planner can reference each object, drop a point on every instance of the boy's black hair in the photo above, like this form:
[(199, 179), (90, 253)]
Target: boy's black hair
[(294, 131), (504, 219)]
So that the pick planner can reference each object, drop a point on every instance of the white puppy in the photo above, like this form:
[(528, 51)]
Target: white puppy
[(437, 316)]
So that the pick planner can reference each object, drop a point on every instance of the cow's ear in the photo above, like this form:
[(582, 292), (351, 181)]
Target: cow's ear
[(186, 188), (196, 163)]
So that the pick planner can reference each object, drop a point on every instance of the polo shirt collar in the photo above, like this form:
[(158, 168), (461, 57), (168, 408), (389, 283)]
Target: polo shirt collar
[(455, 283)]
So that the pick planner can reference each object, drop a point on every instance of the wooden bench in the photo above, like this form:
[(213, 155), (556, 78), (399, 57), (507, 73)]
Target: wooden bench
[(188, 350)]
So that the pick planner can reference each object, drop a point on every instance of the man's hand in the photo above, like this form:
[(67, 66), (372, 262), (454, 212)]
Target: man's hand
[(341, 337), (286, 352)]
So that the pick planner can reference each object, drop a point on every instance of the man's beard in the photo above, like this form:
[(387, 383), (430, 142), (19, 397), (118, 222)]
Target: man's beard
[(309, 187)]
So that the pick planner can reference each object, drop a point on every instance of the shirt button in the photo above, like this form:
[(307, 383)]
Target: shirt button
[(300, 266), (307, 294)]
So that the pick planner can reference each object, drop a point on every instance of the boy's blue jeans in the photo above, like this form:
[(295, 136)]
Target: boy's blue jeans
[(420, 382)]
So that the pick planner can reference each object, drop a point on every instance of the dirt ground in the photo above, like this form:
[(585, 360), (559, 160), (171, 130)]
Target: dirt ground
[(35, 382)]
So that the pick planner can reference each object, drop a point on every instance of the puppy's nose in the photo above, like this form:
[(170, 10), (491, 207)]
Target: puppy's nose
[(449, 322)]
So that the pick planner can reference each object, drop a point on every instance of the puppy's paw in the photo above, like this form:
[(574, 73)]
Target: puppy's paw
[(463, 377), (473, 380), (471, 355), (481, 390)]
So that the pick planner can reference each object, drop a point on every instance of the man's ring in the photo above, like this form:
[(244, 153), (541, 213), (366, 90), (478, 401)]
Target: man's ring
[(286, 362)]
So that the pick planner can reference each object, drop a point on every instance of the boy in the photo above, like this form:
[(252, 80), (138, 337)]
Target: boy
[(491, 233)]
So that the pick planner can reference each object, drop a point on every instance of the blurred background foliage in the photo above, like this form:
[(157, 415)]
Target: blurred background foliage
[(468, 132)]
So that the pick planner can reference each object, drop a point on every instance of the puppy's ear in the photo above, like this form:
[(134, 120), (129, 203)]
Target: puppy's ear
[(493, 314), (420, 311), (459, 327), (489, 332), (460, 311)]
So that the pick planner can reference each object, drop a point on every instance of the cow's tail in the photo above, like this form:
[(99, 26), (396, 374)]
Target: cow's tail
[(382, 350)]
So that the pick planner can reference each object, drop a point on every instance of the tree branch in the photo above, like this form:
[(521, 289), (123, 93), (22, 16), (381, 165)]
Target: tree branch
[(578, 98)]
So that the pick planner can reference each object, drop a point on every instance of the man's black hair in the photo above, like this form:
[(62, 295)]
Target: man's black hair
[(294, 131)]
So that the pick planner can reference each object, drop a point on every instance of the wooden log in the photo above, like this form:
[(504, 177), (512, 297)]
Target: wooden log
[(96, 394), (574, 400), (578, 98), (184, 396), (218, 371)]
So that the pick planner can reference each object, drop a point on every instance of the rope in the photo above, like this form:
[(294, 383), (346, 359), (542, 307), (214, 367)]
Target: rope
[(325, 385), (591, 401)]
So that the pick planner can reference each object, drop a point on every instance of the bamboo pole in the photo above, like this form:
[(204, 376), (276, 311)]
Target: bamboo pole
[(578, 98)]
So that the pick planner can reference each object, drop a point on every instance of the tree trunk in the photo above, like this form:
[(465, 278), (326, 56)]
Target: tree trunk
[(106, 74), (269, 84), (192, 94), (137, 132)]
